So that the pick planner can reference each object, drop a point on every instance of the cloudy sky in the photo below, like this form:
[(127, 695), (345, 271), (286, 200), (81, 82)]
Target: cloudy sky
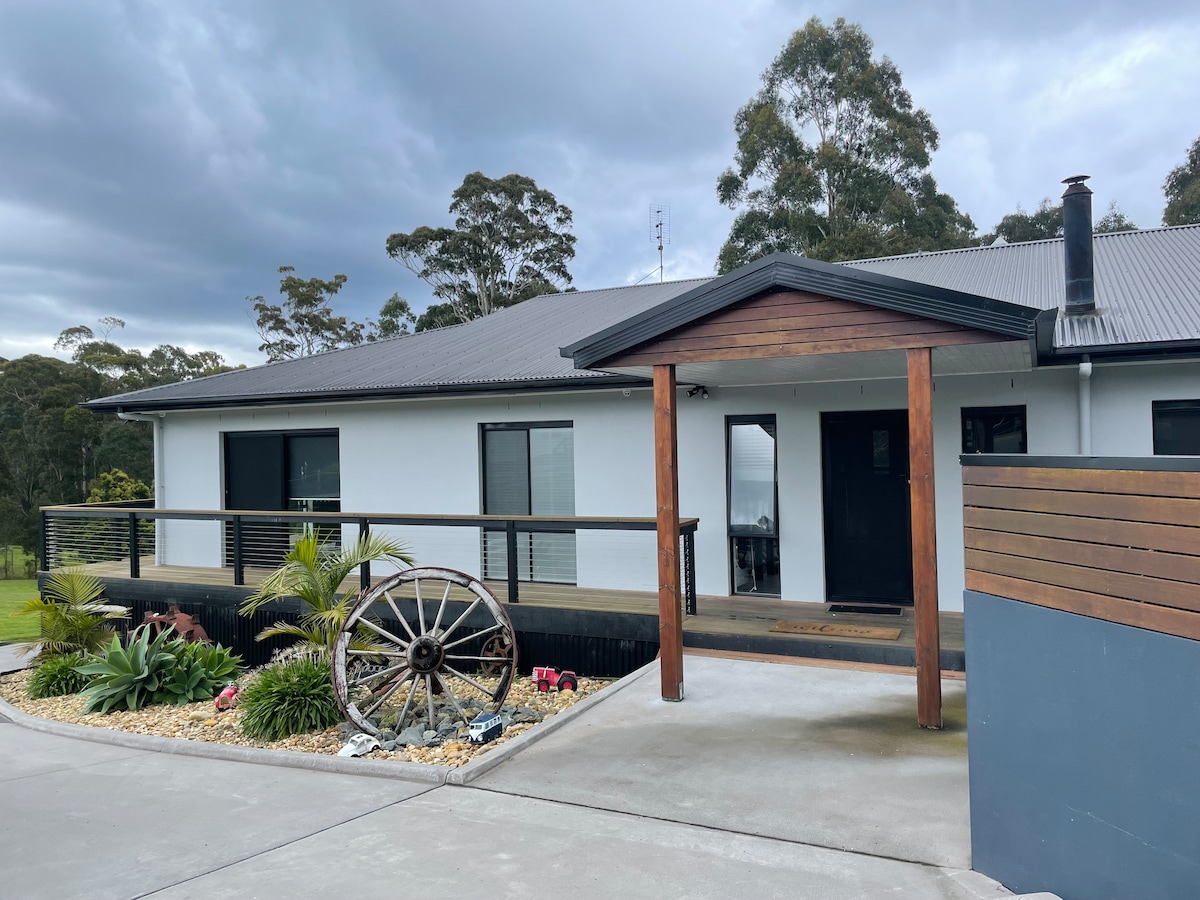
[(160, 160)]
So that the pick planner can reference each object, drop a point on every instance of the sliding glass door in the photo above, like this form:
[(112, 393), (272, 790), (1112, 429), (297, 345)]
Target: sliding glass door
[(529, 470)]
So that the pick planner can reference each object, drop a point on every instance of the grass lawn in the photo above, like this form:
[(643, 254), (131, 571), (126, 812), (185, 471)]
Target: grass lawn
[(17, 628)]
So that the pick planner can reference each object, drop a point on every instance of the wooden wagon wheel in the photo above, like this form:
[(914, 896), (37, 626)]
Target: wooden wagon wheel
[(415, 665)]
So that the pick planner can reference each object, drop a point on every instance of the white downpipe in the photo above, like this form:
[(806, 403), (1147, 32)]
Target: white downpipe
[(160, 470), (1085, 407)]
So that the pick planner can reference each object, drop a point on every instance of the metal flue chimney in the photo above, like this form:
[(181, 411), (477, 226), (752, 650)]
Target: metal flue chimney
[(1077, 245)]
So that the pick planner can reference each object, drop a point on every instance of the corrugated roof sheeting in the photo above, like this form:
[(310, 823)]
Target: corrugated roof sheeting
[(1147, 283), (513, 345), (1147, 291)]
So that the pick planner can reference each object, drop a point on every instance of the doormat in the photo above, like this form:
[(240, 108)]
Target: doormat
[(831, 629)]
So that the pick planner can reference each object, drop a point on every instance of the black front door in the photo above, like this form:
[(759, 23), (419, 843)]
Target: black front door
[(868, 541)]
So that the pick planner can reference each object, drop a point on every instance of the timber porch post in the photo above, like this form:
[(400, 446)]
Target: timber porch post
[(924, 537), (666, 475)]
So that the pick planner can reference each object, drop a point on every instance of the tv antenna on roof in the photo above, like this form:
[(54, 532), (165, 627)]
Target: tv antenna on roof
[(660, 230)]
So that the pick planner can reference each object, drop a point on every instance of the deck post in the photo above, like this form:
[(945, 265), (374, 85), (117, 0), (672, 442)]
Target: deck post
[(364, 570), (666, 471), (510, 556), (239, 571), (135, 567), (924, 537)]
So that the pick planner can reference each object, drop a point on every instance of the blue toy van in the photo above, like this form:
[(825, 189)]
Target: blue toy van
[(485, 728)]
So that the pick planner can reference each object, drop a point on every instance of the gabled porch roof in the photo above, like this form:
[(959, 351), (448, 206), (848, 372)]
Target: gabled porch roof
[(1004, 334)]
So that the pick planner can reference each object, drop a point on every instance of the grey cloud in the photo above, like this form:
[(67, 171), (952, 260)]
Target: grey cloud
[(159, 160)]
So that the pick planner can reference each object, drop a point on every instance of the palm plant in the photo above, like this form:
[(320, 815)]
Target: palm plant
[(314, 573), (73, 620)]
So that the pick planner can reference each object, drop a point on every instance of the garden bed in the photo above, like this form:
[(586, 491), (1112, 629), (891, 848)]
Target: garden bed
[(201, 722)]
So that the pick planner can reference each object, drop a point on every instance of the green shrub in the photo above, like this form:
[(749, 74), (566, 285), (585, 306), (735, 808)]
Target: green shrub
[(162, 670), (220, 664), (73, 618), (129, 677), (56, 677), (199, 673), (288, 698)]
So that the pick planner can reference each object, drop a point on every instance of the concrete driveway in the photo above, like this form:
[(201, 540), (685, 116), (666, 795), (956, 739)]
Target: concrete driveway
[(769, 780)]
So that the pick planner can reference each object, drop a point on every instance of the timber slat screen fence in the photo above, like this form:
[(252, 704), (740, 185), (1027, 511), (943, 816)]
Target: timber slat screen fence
[(513, 549), (1114, 539)]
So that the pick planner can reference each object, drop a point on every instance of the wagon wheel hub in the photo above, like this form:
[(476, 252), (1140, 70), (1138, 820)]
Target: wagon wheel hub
[(426, 654)]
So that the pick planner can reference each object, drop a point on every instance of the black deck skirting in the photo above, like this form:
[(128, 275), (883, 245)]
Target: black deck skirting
[(591, 642)]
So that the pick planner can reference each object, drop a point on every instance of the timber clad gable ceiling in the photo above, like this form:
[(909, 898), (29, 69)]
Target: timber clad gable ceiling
[(807, 281), (797, 323)]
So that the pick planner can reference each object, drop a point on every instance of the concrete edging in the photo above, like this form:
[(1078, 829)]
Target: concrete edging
[(482, 765), (315, 762)]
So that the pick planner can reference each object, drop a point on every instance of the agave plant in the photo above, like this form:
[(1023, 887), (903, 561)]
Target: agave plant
[(130, 677), (314, 573), (73, 620)]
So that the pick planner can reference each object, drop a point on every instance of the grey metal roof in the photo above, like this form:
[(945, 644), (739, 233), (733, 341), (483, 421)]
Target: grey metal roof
[(1147, 292), (1147, 283), (513, 348)]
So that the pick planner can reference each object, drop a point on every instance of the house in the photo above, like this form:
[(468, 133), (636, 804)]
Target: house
[(793, 401)]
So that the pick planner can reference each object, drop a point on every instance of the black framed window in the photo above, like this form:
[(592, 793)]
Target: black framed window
[(529, 470), (753, 504), (298, 471), (1176, 427), (994, 429)]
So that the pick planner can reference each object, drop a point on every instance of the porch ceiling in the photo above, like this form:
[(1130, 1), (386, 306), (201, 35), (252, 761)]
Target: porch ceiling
[(962, 359)]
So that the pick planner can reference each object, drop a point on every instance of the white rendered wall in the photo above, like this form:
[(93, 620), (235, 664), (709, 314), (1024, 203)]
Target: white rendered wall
[(423, 457)]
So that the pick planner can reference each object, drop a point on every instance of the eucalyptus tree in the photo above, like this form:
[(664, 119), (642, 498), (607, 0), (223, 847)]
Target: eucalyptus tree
[(511, 240), (1182, 190), (833, 159)]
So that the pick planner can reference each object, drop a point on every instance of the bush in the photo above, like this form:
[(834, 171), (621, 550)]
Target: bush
[(73, 618), (163, 670), (56, 677), (129, 677), (199, 673), (288, 698)]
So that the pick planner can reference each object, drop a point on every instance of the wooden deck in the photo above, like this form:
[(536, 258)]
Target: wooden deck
[(721, 623)]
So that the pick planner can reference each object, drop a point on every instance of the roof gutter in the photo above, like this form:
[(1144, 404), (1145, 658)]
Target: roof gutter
[(132, 407), (1159, 351)]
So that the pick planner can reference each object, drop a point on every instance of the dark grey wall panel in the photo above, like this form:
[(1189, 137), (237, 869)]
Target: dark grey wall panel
[(1084, 741)]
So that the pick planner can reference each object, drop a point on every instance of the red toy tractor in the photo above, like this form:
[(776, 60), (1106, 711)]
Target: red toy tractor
[(549, 677)]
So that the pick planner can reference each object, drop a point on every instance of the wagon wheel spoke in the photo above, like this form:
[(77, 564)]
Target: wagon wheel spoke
[(425, 661), (386, 695), (442, 607), (403, 621), (429, 702), (420, 605), (470, 609), (477, 634), (378, 676), (445, 686), (487, 692), (408, 702), (383, 633)]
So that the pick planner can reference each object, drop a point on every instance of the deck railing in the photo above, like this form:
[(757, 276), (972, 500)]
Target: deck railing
[(515, 546)]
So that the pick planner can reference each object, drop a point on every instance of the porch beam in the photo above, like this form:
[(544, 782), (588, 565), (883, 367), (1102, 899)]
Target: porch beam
[(666, 478), (924, 537)]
